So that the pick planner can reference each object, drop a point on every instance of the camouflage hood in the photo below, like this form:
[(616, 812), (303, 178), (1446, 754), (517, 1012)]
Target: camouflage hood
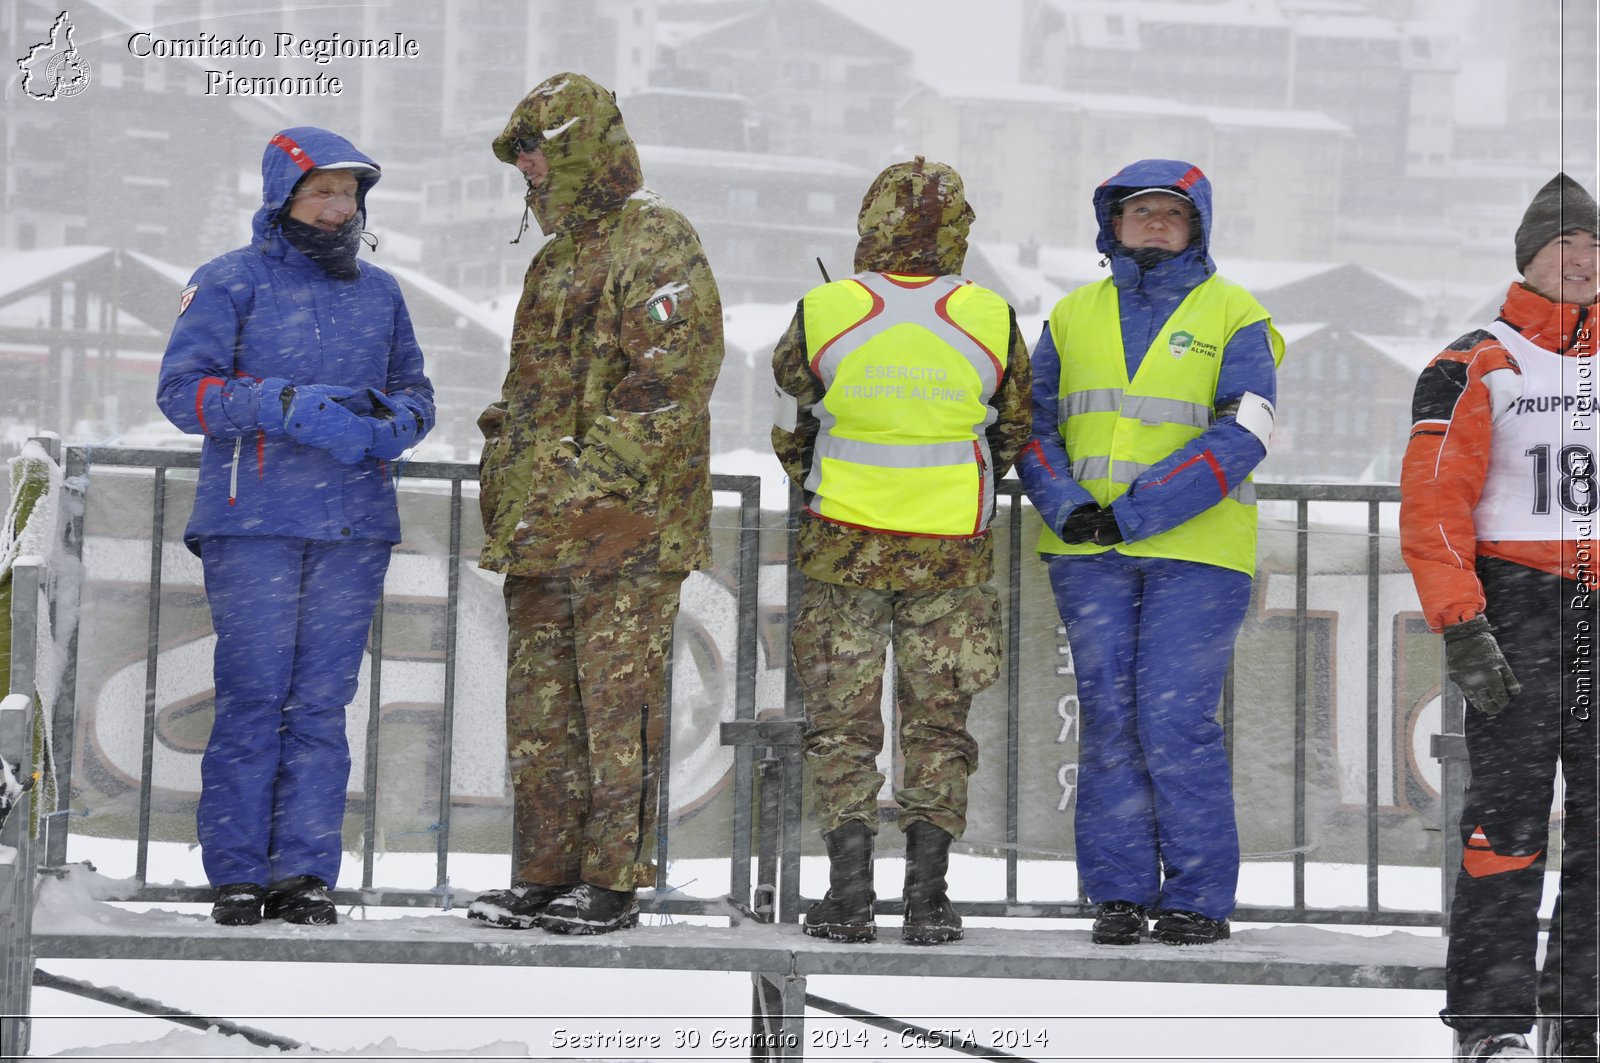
[(593, 163), (914, 219)]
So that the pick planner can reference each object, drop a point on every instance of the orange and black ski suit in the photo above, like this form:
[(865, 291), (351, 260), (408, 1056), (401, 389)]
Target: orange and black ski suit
[(1537, 593)]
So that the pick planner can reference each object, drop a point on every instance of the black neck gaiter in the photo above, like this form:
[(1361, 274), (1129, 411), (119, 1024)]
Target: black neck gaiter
[(335, 252), (1148, 257)]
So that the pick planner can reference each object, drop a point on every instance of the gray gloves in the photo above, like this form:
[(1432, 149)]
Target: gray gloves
[(1478, 667)]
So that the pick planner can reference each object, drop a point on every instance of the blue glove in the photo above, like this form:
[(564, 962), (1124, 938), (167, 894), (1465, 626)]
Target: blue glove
[(271, 404), (316, 419), (394, 426)]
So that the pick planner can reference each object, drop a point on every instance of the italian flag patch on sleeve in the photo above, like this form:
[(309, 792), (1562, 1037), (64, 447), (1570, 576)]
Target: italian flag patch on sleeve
[(661, 308)]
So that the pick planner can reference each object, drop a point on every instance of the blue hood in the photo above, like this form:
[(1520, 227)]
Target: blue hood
[(289, 155), (1156, 173)]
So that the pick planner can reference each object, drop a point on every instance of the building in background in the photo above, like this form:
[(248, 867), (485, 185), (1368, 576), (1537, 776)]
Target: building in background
[(818, 83), (1363, 135), (1031, 157)]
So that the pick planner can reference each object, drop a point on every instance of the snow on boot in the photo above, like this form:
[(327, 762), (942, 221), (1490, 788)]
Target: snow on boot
[(518, 908), (302, 899), (845, 914), (239, 904), (1494, 1046), (1178, 927), (1119, 923), (590, 910), (930, 917)]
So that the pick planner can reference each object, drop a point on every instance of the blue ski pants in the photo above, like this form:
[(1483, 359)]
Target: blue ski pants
[(291, 617), (1151, 640)]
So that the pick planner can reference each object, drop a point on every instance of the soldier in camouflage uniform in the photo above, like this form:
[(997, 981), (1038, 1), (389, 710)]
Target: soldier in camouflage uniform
[(596, 500), (894, 540)]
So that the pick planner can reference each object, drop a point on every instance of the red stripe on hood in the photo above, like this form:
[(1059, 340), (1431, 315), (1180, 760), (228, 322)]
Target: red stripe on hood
[(294, 151), (1190, 177)]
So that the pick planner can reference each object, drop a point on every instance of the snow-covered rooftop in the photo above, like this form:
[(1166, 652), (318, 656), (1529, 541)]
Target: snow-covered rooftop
[(1411, 353), (20, 270)]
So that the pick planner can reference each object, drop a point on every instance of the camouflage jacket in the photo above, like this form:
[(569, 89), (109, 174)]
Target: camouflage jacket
[(596, 457), (855, 557)]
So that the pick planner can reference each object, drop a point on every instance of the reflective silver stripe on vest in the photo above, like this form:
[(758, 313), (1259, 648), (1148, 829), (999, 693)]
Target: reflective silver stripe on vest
[(1094, 400), (896, 455), (1152, 410), (1125, 472), (1144, 408)]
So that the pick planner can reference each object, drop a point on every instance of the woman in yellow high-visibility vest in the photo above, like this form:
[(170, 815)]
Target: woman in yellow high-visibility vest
[(1153, 395)]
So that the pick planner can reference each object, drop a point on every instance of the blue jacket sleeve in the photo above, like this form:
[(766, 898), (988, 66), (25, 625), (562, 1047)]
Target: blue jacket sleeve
[(1043, 465), (197, 388), (1197, 476), (408, 386)]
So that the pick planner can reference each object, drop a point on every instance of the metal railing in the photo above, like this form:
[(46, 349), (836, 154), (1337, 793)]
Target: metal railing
[(768, 804), (81, 463), (1448, 748)]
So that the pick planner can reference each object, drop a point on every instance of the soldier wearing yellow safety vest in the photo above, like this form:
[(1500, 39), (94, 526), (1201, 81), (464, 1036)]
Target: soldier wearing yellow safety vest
[(1152, 402), (902, 398)]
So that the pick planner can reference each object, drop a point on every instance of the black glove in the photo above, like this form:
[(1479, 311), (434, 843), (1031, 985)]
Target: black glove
[(1478, 667), (1091, 524)]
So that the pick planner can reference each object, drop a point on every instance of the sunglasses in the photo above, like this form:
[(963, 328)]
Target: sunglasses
[(527, 145)]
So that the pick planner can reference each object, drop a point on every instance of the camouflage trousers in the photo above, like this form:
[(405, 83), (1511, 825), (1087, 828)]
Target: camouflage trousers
[(946, 649), (586, 683)]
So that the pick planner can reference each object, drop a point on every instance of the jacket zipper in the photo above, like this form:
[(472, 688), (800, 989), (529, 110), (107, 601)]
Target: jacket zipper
[(233, 475)]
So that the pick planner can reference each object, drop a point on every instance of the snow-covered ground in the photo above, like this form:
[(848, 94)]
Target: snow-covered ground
[(394, 1011)]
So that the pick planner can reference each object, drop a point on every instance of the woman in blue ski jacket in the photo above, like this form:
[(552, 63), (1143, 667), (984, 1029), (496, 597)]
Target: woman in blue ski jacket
[(1153, 395), (299, 366)]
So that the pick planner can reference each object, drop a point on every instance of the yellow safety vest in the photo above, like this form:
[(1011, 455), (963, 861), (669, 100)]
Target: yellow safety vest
[(1115, 429), (908, 366)]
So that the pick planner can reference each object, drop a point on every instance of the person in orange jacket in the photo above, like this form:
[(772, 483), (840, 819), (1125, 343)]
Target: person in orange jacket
[(1497, 525)]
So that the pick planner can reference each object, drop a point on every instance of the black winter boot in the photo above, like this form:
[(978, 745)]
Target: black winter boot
[(239, 904), (1119, 923), (1178, 927), (519, 907), (930, 917), (301, 899), (589, 909), (845, 914)]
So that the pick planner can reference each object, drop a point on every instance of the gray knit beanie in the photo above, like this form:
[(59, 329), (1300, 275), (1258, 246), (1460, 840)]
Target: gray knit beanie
[(1560, 207)]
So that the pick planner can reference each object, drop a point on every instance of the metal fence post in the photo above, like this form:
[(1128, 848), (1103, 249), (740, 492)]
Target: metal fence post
[(1450, 749), (16, 839)]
